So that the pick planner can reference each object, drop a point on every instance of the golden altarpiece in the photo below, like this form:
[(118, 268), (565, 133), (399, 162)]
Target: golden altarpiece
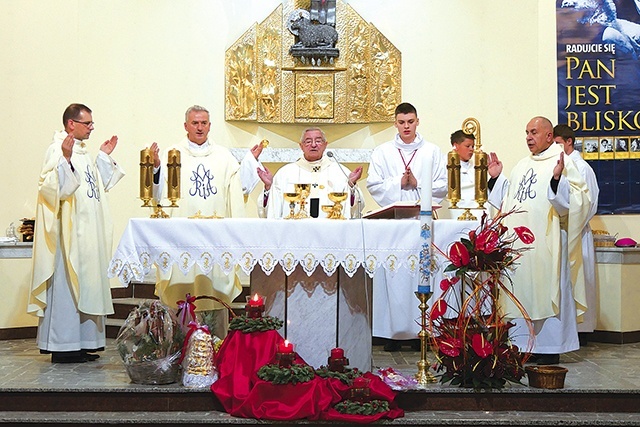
[(357, 79)]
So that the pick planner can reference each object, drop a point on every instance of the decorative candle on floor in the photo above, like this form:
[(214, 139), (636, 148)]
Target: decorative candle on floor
[(337, 361), (285, 347), (360, 390), (255, 306), (285, 354)]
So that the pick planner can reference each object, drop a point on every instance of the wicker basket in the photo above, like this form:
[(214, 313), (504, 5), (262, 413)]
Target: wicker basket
[(164, 371), (546, 376)]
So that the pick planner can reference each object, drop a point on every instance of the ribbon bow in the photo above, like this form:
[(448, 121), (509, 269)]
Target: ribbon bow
[(187, 306)]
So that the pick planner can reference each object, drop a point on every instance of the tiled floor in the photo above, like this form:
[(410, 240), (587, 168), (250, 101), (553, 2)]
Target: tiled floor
[(597, 366)]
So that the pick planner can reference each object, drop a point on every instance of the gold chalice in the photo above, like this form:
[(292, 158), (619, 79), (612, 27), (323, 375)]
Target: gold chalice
[(337, 198), (328, 209), (292, 198), (303, 190)]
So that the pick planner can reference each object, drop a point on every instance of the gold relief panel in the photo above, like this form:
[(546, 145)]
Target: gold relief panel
[(269, 44), (267, 84), (240, 78), (314, 96)]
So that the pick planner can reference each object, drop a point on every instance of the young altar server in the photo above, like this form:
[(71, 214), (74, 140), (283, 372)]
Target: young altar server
[(394, 175)]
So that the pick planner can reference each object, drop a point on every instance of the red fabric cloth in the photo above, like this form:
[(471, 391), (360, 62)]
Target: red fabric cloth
[(243, 394)]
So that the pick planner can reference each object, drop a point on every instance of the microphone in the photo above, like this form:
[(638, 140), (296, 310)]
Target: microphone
[(331, 155)]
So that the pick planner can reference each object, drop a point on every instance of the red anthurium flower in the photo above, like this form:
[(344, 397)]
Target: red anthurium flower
[(439, 308), (481, 346), (487, 241), (451, 346), (525, 235), (459, 255)]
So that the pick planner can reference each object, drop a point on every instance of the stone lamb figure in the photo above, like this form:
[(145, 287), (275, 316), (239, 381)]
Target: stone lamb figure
[(314, 35)]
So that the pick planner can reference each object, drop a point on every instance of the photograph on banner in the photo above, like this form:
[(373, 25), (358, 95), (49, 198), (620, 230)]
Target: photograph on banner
[(598, 52)]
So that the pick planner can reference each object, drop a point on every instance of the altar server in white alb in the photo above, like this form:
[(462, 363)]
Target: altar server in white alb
[(566, 137), (70, 292), (549, 188), (210, 185), (322, 172), (464, 144), (394, 175)]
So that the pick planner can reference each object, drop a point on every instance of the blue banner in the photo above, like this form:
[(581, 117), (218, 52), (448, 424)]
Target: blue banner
[(598, 43)]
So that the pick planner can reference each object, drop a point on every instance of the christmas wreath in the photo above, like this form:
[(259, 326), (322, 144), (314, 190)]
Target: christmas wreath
[(355, 407), (345, 377), (295, 374), (247, 325)]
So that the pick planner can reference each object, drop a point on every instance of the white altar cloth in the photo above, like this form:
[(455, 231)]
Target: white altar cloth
[(232, 242)]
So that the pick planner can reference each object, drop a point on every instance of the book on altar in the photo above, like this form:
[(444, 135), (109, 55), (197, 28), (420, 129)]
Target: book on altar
[(398, 210)]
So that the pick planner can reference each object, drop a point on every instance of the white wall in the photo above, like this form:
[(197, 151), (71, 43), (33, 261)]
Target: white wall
[(139, 64)]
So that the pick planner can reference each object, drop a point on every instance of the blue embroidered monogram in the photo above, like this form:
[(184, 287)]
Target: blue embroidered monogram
[(92, 184), (524, 186), (202, 183)]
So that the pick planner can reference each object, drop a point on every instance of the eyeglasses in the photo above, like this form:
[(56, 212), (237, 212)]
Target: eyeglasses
[(87, 124), (316, 141)]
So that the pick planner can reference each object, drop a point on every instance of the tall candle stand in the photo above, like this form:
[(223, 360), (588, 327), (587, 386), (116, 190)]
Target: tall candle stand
[(423, 376)]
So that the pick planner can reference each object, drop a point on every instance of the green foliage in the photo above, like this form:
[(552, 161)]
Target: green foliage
[(345, 377), (362, 408), (260, 324), (292, 375)]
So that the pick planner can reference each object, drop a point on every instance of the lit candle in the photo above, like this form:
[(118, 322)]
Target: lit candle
[(285, 347), (426, 184), (337, 353), (256, 301)]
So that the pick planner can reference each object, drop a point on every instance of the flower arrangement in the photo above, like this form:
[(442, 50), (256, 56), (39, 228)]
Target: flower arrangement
[(472, 340)]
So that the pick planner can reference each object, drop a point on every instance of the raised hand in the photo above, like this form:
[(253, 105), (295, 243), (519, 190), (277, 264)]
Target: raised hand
[(108, 146), (256, 150), (494, 166), (559, 167), (266, 177), (355, 176), (155, 154), (67, 147)]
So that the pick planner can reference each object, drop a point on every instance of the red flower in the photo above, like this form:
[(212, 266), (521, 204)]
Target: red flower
[(481, 346), (439, 308), (447, 283), (459, 255), (487, 240), (451, 346), (525, 235)]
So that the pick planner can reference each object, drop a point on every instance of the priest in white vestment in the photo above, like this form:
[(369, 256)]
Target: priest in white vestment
[(548, 187), (70, 291), (210, 186), (565, 136), (322, 172), (394, 175)]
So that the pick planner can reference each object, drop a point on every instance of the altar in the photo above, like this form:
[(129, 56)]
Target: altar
[(326, 265)]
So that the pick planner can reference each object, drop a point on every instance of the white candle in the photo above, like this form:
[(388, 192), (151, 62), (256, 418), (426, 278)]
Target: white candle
[(426, 182)]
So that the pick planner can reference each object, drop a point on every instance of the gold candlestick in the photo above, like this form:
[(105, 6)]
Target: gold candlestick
[(146, 177), (173, 177), (453, 175), (423, 376)]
